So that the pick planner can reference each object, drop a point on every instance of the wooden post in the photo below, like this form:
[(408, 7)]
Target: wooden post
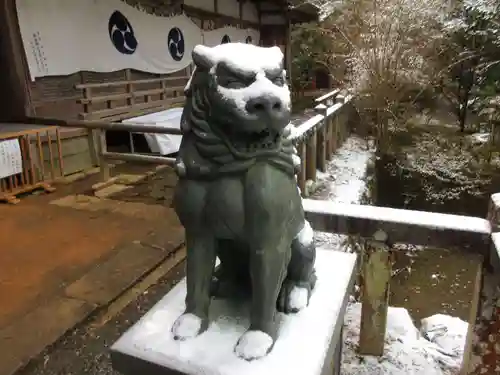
[(301, 178), (321, 149), (326, 133), (341, 127), (491, 266), (376, 276), (329, 136), (311, 158), (91, 134), (474, 327), (103, 163), (335, 133)]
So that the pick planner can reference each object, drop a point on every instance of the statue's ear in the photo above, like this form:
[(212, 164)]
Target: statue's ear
[(203, 57), (278, 55)]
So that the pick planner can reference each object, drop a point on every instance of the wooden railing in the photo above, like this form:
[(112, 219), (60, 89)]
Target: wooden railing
[(383, 227), (319, 137), (316, 139), (35, 159), (119, 100)]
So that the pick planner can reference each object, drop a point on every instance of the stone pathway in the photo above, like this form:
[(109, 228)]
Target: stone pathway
[(65, 254)]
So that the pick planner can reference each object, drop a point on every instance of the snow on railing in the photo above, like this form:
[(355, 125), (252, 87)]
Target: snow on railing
[(402, 226), (382, 227)]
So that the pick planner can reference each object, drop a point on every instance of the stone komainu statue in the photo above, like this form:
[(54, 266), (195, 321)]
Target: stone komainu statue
[(237, 196)]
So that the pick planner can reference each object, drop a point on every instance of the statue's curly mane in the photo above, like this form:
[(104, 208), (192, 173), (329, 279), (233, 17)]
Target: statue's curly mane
[(199, 123)]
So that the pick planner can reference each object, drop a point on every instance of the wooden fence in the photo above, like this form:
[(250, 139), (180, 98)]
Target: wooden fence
[(319, 137), (115, 101), (316, 139), (381, 227), (36, 159)]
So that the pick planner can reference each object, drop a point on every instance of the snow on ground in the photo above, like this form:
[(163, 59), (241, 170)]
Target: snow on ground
[(344, 182), (438, 348)]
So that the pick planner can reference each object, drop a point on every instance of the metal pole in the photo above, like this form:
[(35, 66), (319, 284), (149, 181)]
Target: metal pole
[(107, 125), (139, 158)]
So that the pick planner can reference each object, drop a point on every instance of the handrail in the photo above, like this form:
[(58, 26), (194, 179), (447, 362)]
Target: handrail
[(327, 96), (106, 125), (402, 226)]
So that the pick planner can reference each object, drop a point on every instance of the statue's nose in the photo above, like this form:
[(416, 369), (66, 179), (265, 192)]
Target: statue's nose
[(264, 105)]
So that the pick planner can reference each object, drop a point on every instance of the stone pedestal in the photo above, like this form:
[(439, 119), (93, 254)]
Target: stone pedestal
[(309, 342)]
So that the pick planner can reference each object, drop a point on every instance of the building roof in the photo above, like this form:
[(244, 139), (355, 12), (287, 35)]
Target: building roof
[(304, 11), (322, 8)]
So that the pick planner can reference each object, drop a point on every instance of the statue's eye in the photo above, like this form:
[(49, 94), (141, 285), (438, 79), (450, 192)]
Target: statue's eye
[(231, 82), (278, 81)]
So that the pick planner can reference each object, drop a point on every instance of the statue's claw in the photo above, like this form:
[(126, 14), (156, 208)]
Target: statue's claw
[(188, 326), (253, 345)]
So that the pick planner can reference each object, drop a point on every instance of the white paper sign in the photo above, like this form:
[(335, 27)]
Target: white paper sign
[(11, 160)]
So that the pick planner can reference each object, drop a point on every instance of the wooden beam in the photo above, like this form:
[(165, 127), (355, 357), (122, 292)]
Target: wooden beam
[(18, 72), (376, 277), (402, 226), (103, 124), (206, 14)]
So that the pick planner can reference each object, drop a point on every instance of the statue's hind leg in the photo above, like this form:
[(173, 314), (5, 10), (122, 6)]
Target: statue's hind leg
[(301, 277), (232, 277)]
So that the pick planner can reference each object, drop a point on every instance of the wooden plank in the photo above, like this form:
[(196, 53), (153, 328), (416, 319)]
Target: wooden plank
[(78, 163), (103, 163), (311, 157), (158, 91), (376, 276), (8, 131), (403, 226), (321, 149), (134, 82), (493, 217), (475, 322), (329, 147), (130, 110), (329, 95), (138, 158), (103, 98)]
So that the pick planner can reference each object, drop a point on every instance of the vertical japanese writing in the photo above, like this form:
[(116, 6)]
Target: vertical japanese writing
[(39, 53)]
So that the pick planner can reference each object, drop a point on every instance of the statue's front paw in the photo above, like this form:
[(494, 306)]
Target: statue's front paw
[(254, 345), (188, 326)]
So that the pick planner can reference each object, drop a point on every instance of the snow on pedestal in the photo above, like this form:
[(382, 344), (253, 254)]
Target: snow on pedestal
[(304, 346)]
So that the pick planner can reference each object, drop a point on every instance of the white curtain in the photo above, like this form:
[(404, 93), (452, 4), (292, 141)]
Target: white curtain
[(62, 37), (65, 36)]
